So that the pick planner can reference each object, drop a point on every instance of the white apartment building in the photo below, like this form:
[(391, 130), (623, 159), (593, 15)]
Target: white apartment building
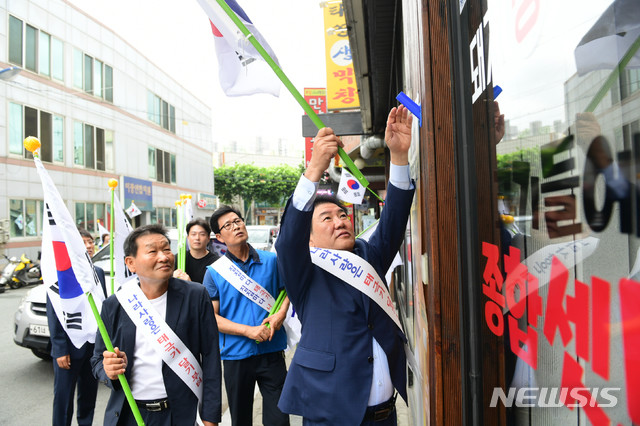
[(101, 110)]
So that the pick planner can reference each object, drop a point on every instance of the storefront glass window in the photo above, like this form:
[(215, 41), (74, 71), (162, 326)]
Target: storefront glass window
[(564, 279)]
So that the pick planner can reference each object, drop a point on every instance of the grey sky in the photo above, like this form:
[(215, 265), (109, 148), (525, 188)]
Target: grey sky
[(176, 36)]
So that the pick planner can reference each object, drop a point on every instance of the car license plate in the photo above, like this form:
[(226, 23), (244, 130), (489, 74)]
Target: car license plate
[(39, 330)]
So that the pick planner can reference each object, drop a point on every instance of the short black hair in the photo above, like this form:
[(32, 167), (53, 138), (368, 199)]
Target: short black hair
[(84, 233), (329, 199), (221, 211), (200, 222), (131, 243)]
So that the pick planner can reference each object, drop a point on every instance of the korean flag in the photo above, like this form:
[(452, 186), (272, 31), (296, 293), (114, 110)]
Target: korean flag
[(350, 190)]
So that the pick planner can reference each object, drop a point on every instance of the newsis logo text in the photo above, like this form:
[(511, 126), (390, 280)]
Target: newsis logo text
[(555, 397)]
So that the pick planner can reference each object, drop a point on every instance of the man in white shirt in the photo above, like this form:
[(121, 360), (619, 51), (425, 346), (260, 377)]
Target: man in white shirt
[(162, 396)]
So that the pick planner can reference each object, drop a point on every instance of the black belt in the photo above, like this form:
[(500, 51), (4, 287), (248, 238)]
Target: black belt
[(380, 412), (154, 405)]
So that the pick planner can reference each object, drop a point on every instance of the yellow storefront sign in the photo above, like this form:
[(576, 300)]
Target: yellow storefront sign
[(342, 92)]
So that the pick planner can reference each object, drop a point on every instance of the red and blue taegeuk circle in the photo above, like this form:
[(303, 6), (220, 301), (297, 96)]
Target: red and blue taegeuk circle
[(353, 184)]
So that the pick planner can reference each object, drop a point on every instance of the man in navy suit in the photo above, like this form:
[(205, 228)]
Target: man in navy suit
[(71, 365), (161, 395), (351, 354)]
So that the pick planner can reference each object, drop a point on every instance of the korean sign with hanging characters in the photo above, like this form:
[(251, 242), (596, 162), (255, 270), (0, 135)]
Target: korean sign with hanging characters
[(317, 99), (342, 92)]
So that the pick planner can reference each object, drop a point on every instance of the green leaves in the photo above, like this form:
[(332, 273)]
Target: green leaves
[(261, 184)]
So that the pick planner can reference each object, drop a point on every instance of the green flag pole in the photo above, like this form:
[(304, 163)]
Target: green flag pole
[(32, 144), (613, 77), (121, 377), (294, 92), (112, 185), (179, 226)]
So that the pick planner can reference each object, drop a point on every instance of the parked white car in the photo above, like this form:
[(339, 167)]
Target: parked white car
[(31, 329), (30, 323), (262, 237)]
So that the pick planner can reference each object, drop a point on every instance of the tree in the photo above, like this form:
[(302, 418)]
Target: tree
[(261, 184)]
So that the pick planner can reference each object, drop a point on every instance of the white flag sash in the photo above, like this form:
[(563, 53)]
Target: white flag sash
[(164, 340), (359, 274), (246, 285)]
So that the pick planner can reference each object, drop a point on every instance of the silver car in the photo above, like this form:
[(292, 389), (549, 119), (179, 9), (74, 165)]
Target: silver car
[(31, 329), (262, 237), (30, 323)]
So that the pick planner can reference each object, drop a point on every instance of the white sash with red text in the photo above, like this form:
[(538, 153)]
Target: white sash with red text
[(165, 341), (358, 273), (248, 287)]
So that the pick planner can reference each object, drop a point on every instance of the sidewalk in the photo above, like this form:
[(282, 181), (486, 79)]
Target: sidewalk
[(403, 411)]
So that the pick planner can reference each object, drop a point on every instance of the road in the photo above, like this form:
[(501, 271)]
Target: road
[(27, 381)]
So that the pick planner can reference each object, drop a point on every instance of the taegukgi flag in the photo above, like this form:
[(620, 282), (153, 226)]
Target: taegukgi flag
[(350, 190), (122, 230), (67, 270), (133, 210), (242, 71), (102, 231)]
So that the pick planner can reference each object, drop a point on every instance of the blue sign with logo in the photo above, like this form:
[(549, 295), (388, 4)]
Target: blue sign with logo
[(139, 191)]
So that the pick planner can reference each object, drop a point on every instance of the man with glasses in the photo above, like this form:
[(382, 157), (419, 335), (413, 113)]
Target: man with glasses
[(243, 284)]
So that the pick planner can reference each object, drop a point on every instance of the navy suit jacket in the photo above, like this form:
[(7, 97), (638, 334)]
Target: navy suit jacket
[(329, 379), (190, 315), (60, 343)]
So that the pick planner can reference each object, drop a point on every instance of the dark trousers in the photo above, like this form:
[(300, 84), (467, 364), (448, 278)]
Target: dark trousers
[(240, 377), (392, 420), (150, 418), (64, 385)]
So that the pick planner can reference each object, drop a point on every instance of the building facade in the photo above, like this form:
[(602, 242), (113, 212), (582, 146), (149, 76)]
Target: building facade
[(101, 110)]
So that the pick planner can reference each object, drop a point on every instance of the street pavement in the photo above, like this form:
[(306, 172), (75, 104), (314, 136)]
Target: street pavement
[(27, 381)]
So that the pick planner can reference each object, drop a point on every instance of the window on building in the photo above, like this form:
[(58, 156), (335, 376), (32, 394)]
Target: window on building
[(90, 147), (88, 74), (89, 214), (15, 128), (35, 50), (161, 112), (629, 82), (162, 165), (92, 75), (31, 50), (97, 78), (108, 149), (25, 218), (108, 83), (15, 41), (26, 121), (57, 59), (164, 215), (44, 54), (152, 162)]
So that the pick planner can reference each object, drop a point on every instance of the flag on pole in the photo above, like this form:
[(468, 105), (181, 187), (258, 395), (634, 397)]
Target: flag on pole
[(188, 209), (67, 270), (133, 210), (350, 190), (102, 231), (242, 71), (120, 233)]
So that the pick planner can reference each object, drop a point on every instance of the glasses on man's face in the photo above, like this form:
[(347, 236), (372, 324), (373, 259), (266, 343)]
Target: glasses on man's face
[(235, 222)]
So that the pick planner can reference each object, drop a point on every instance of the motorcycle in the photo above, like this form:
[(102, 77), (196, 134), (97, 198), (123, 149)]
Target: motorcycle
[(20, 272)]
